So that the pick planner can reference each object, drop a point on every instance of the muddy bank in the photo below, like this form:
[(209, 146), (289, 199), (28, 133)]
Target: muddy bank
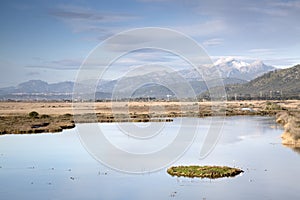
[(27, 124)]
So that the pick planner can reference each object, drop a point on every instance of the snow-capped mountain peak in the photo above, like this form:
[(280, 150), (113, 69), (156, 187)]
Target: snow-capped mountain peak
[(258, 62), (224, 60), (231, 62), (231, 67)]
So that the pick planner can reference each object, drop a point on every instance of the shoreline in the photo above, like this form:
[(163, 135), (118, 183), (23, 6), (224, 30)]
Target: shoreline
[(57, 116)]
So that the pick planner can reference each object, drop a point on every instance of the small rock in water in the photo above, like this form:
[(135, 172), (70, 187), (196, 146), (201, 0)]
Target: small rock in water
[(173, 194)]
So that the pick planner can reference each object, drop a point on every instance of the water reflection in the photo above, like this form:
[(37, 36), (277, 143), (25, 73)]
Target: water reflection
[(239, 128), (56, 166), (295, 149)]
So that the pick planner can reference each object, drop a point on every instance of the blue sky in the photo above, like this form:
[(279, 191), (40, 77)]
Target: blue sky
[(49, 40)]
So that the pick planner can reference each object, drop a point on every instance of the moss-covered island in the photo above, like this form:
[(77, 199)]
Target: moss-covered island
[(211, 172)]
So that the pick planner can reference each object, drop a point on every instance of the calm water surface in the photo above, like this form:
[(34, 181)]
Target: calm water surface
[(56, 166)]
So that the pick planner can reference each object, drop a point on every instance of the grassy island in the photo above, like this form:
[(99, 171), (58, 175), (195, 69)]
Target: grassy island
[(204, 171)]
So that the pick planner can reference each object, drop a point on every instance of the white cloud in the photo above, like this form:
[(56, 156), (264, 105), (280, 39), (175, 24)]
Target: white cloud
[(283, 62), (238, 57), (274, 12), (276, 61), (88, 14), (287, 4), (63, 64), (263, 51), (213, 42), (208, 28), (83, 19)]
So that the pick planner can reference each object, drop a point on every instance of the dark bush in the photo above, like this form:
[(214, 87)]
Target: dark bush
[(67, 115), (45, 116), (33, 114)]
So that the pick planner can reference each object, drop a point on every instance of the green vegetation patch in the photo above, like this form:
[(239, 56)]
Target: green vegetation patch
[(33, 114), (204, 171)]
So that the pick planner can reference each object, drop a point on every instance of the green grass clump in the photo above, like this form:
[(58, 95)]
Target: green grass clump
[(272, 106), (204, 171)]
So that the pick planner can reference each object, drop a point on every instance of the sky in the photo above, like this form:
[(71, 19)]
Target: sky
[(49, 40)]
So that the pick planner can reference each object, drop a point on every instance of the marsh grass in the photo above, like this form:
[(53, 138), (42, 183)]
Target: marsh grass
[(211, 172)]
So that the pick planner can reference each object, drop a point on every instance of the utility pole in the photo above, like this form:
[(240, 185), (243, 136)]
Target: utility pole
[(168, 97), (260, 94)]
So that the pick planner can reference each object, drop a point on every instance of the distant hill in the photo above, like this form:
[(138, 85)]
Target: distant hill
[(38, 86), (278, 84), (41, 90)]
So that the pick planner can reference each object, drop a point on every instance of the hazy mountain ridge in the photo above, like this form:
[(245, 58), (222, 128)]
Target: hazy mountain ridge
[(155, 84), (159, 84), (39, 86)]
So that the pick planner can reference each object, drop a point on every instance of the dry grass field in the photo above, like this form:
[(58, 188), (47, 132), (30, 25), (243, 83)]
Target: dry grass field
[(60, 108)]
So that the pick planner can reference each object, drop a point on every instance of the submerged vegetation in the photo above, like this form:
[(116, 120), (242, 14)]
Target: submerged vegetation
[(211, 172)]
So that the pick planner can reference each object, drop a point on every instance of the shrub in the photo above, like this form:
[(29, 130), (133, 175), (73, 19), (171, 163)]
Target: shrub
[(67, 115), (268, 103), (33, 114), (45, 116)]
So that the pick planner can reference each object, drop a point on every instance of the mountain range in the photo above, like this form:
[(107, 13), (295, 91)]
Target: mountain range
[(229, 67), (158, 84)]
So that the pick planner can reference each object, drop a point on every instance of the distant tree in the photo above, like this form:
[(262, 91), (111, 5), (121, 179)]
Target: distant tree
[(67, 115), (44, 116), (33, 114)]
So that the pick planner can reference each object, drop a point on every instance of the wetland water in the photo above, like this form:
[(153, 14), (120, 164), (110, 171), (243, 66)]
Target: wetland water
[(56, 166)]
